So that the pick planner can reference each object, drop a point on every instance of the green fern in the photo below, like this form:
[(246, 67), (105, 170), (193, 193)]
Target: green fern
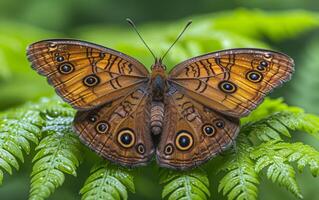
[(107, 181), (241, 179), (249, 159), (278, 169), (281, 123), (184, 185), (18, 129), (57, 153)]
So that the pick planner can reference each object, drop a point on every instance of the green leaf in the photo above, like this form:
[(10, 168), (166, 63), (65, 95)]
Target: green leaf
[(184, 185), (18, 128), (275, 125), (240, 180), (273, 156), (107, 181), (58, 152)]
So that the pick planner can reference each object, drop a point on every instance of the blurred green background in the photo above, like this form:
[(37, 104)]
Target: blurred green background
[(290, 26)]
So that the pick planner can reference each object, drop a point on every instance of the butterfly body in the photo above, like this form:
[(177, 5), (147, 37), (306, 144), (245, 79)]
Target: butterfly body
[(183, 117)]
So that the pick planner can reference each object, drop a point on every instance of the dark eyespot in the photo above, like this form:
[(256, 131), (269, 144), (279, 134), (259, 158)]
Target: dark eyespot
[(59, 58), (261, 68), (102, 127), (264, 63), (219, 123), (92, 118), (126, 138), (140, 148), (66, 68), (168, 150), (184, 140), (91, 80), (227, 86), (254, 76), (208, 129)]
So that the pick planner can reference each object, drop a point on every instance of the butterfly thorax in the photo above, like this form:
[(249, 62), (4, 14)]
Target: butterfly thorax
[(158, 79)]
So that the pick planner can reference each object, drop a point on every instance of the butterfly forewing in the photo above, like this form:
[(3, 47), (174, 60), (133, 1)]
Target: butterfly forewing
[(233, 81), (84, 74)]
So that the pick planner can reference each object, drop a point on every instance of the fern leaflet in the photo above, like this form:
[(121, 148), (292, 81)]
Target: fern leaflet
[(107, 181), (184, 185), (58, 152)]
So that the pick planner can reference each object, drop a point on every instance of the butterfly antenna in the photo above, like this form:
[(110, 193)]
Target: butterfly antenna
[(179, 36), (134, 27)]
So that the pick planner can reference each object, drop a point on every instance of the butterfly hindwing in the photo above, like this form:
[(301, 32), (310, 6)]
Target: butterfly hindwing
[(119, 131), (192, 133), (86, 75), (233, 81)]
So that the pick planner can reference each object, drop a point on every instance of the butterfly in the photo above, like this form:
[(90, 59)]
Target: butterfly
[(184, 117)]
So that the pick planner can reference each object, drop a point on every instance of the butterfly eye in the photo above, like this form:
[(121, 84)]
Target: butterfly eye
[(227, 86), (254, 76), (219, 123), (208, 129), (66, 68), (126, 138), (91, 80), (168, 150), (102, 127), (184, 140), (140, 148)]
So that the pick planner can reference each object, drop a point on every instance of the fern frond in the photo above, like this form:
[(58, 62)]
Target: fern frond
[(18, 128), (292, 152), (58, 152), (107, 181), (278, 124), (184, 185), (241, 179), (275, 159)]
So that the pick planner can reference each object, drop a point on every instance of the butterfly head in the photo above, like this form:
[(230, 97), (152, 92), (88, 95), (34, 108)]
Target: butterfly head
[(158, 65)]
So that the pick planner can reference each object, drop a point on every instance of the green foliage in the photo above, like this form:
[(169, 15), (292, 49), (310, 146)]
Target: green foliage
[(184, 185), (279, 124), (18, 128), (275, 155), (107, 181), (58, 152), (260, 145), (241, 179)]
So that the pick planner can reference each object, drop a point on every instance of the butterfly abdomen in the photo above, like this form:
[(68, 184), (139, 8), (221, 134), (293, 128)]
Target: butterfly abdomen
[(157, 117)]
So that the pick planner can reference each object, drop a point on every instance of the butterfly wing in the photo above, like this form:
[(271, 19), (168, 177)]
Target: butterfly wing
[(86, 75), (192, 133), (233, 81), (119, 131)]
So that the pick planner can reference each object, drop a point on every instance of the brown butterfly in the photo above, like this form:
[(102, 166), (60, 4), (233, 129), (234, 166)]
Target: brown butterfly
[(187, 116)]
